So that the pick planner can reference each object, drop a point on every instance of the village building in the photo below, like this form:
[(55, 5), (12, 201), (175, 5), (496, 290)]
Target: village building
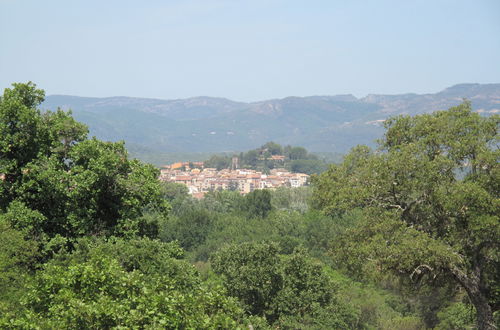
[(201, 180)]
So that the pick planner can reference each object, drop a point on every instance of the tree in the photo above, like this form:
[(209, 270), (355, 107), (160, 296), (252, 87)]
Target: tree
[(258, 203), (190, 228), (251, 158), (296, 199), (273, 148), (97, 190), (78, 186), (456, 316), (57, 186), (218, 161), (430, 194), (222, 201), (64, 131), (23, 135), (17, 257), (136, 283), (286, 290), (297, 153), (307, 166), (251, 274)]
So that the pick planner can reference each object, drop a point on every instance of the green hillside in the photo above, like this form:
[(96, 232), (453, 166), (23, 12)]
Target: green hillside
[(205, 124)]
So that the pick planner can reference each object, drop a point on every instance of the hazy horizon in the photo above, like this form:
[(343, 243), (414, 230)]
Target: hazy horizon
[(248, 51), (272, 98)]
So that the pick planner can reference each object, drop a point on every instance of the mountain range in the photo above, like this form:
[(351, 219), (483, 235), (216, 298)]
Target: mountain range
[(209, 124)]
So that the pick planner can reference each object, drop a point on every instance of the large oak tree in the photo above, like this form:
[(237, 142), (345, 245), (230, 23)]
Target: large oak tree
[(430, 193), (75, 185)]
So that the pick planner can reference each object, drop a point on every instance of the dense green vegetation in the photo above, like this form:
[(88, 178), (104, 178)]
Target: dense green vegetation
[(430, 197), (295, 159), (78, 246), (316, 162), (403, 237)]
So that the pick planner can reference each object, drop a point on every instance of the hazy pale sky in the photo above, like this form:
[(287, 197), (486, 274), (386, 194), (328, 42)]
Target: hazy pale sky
[(248, 50)]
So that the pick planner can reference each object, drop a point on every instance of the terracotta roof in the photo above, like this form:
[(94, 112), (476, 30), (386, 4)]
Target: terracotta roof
[(183, 178)]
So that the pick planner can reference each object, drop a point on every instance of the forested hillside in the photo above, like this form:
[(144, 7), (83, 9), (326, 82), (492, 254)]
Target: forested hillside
[(404, 236), (153, 128), (272, 155)]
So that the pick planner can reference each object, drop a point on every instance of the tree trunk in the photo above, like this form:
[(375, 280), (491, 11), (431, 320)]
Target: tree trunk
[(472, 285)]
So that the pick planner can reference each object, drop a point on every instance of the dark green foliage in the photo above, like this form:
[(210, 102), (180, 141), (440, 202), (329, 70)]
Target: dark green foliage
[(101, 193), (189, 228), (457, 316), (404, 237), (322, 232), (174, 191), (225, 201), (76, 186), (305, 284), (251, 158), (287, 290), (137, 283), (273, 148), (423, 219), (218, 161), (64, 131), (21, 127), (285, 228), (250, 272), (296, 199), (308, 166), (257, 203), (18, 257), (20, 217), (295, 153), (296, 159), (23, 135)]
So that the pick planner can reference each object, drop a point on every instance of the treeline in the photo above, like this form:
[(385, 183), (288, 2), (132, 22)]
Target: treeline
[(294, 159), (403, 237)]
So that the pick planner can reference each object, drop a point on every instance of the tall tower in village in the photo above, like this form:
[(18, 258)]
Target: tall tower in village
[(234, 163)]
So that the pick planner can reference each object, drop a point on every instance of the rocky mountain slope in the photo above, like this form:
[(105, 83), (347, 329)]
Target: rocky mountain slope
[(207, 124)]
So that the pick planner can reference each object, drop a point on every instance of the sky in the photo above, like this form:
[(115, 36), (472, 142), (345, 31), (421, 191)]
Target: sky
[(248, 50)]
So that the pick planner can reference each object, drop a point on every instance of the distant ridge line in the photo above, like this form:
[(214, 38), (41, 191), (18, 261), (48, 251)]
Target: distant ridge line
[(213, 124)]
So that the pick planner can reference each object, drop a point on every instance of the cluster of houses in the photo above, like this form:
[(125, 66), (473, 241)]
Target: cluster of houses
[(200, 180)]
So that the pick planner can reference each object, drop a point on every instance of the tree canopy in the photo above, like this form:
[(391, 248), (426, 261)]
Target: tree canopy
[(286, 290), (431, 198), (76, 215), (401, 237), (295, 159), (76, 186)]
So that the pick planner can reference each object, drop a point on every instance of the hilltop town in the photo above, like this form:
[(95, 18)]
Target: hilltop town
[(201, 180)]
